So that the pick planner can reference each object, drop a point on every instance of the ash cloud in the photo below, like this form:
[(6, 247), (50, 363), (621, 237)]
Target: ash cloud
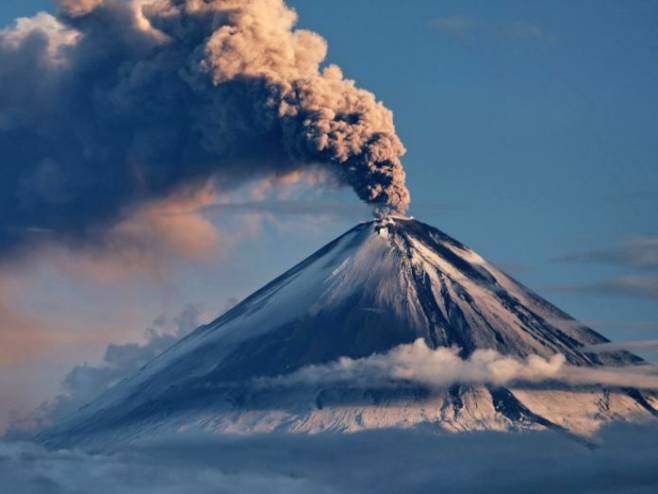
[(112, 104)]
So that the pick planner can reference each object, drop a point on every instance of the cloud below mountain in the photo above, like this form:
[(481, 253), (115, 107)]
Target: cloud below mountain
[(382, 462)]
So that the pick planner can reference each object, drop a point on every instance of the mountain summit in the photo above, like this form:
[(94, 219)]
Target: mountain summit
[(384, 283)]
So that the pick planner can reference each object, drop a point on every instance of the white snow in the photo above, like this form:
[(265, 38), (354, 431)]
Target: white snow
[(380, 263)]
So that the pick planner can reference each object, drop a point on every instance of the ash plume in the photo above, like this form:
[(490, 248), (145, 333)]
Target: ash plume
[(112, 104)]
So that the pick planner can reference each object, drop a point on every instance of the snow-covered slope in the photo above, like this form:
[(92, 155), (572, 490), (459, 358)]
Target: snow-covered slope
[(382, 284)]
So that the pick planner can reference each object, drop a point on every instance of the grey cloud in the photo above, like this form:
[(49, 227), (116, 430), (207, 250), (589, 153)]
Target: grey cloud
[(115, 103), (456, 24), (525, 30), (316, 207), (651, 345), (625, 325), (386, 461), (514, 267), (644, 287), (640, 252), (622, 324), (289, 207), (466, 26)]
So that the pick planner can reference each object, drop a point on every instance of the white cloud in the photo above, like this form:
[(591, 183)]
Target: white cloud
[(443, 367)]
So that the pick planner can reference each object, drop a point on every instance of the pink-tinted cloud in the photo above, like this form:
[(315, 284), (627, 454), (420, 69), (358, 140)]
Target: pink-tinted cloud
[(23, 336), (153, 239)]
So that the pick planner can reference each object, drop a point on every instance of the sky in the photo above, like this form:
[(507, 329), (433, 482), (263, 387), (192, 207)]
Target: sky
[(530, 130)]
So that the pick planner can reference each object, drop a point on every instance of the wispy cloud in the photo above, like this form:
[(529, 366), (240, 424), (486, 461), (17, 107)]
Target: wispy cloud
[(616, 324), (633, 325), (614, 346), (514, 267), (639, 252), (307, 207), (524, 30), (645, 287), (456, 25), (444, 367), (291, 207), (519, 30)]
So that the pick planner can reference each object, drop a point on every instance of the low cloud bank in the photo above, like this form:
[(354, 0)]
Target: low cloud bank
[(443, 367), (414, 363), (370, 462)]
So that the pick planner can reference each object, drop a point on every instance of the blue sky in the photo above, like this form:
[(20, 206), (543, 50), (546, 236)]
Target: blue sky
[(531, 136), (535, 121)]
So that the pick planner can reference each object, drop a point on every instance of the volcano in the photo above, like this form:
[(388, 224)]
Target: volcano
[(382, 284)]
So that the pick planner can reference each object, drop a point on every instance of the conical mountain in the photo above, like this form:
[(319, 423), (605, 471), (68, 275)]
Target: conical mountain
[(382, 284)]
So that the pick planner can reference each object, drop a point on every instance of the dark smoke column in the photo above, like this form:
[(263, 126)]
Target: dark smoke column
[(324, 117), (112, 104)]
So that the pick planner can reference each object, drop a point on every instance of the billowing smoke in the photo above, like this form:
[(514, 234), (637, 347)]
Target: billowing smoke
[(116, 103)]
